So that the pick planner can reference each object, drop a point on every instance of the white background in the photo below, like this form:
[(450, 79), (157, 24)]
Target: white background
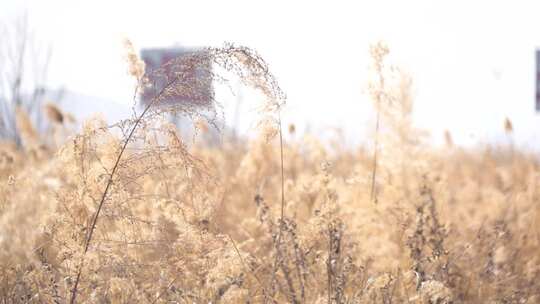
[(472, 61)]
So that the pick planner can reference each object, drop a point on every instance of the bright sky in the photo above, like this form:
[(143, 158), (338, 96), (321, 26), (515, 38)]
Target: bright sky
[(472, 61)]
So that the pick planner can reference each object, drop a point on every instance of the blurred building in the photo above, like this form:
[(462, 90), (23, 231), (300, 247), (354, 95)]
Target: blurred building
[(193, 67), (193, 91)]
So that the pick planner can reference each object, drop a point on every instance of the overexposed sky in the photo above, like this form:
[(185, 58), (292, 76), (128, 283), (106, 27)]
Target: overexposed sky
[(472, 61)]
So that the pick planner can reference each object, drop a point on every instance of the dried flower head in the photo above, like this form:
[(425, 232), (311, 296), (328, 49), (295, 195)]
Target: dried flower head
[(136, 66), (448, 138), (508, 127), (29, 135), (53, 113), (292, 129), (435, 292), (378, 52)]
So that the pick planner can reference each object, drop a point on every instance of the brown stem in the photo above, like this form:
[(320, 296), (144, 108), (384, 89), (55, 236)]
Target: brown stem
[(107, 187), (282, 215), (282, 172), (375, 152)]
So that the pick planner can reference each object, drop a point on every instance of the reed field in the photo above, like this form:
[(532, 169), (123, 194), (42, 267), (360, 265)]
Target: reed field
[(135, 212)]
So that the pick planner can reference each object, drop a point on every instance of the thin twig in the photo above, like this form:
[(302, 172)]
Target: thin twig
[(107, 187), (282, 174), (161, 294), (375, 153), (282, 215)]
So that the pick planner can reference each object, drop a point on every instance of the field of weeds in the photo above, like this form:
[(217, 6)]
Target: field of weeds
[(136, 213)]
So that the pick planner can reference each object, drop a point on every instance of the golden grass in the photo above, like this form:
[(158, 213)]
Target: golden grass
[(187, 223)]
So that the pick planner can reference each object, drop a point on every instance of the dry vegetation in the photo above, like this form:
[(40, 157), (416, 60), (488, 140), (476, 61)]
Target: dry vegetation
[(134, 213)]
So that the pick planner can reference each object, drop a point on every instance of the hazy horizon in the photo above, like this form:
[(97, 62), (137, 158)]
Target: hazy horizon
[(468, 75)]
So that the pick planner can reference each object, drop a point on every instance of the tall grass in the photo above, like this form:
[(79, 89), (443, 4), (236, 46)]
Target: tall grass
[(134, 213)]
